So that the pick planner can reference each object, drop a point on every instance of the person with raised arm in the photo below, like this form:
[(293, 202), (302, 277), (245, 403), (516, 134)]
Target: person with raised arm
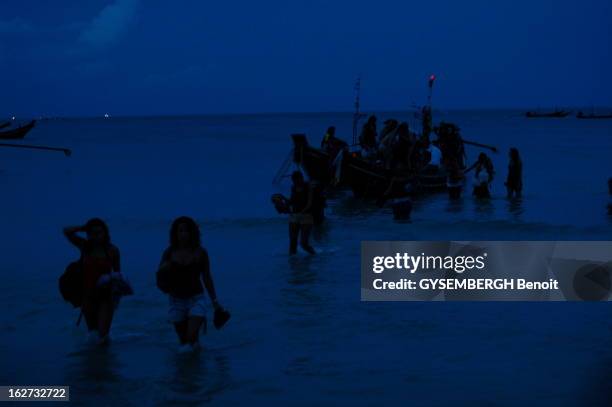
[(100, 266)]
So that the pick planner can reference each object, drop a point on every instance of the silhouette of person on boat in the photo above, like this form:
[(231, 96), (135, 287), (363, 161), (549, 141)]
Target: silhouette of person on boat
[(331, 144), (369, 138)]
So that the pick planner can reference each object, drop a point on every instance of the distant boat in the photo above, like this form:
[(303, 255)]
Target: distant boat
[(5, 124), (556, 114), (581, 115), (17, 133)]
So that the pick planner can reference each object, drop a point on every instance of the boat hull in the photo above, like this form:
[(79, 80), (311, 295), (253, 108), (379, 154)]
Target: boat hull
[(367, 181), (316, 163), (18, 133), (554, 115), (594, 117)]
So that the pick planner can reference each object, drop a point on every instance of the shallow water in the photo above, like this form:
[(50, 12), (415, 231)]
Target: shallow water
[(299, 333)]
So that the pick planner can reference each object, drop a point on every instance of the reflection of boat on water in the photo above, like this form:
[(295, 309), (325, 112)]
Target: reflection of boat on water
[(559, 114), (365, 178), (17, 133), (581, 115)]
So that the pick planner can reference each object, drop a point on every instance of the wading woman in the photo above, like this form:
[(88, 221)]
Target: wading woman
[(301, 217), (183, 273), (100, 265), (483, 177), (514, 182)]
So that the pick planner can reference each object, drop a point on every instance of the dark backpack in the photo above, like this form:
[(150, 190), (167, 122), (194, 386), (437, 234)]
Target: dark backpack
[(165, 281), (71, 283)]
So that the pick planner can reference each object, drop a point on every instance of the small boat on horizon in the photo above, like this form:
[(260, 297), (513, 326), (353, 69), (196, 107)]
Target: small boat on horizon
[(18, 132), (581, 115), (557, 114)]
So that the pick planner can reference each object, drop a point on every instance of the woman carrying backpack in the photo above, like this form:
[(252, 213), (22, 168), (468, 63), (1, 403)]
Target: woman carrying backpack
[(100, 266)]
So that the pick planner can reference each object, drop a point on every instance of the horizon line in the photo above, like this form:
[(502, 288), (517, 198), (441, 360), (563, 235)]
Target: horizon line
[(278, 113)]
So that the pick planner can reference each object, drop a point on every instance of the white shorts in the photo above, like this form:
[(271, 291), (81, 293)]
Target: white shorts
[(183, 308)]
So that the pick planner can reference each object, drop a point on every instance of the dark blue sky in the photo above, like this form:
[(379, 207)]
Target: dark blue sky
[(161, 57)]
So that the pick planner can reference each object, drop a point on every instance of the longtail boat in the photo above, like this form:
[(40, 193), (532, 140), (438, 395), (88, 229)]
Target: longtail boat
[(316, 163), (17, 133), (581, 115), (365, 178), (557, 114)]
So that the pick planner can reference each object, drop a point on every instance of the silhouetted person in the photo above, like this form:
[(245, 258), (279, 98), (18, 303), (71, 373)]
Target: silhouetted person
[(183, 268), (300, 219), (514, 181), (100, 264), (388, 140), (402, 148), (331, 144), (368, 139), (387, 134), (483, 176), (450, 144), (330, 134)]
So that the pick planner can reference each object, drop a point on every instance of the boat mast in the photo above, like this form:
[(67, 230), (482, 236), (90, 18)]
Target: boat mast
[(357, 115), (427, 114), (432, 79)]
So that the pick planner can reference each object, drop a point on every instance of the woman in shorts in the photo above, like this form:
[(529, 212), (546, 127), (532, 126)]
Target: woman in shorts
[(186, 269)]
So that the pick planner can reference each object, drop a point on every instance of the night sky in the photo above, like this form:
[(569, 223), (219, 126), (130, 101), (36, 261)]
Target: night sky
[(130, 57)]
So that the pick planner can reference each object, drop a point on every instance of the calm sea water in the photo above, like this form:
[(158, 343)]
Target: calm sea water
[(299, 333)]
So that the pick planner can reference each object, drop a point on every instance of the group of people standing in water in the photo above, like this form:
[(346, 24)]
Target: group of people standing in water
[(397, 148), (183, 274)]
